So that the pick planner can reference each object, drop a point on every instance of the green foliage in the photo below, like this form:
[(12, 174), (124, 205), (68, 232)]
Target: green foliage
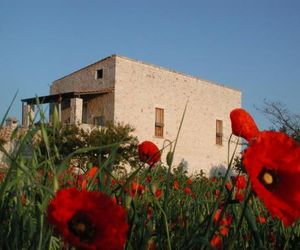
[(24, 195), (64, 140), (126, 152)]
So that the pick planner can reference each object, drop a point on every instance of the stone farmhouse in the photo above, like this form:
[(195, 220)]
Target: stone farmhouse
[(152, 99)]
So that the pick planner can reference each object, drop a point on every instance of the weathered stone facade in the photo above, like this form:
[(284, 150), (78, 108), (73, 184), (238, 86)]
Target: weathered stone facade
[(140, 88), (120, 89), (85, 81)]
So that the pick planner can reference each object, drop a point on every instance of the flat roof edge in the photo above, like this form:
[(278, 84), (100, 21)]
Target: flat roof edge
[(177, 72), (54, 97), (152, 65)]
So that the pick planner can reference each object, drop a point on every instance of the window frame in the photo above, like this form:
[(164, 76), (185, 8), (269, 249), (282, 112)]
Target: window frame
[(219, 132), (99, 74), (159, 122)]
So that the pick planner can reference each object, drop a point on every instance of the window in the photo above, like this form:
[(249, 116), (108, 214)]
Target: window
[(99, 120), (99, 74), (159, 122), (219, 132)]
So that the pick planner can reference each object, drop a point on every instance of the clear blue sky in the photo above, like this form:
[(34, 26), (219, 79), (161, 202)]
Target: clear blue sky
[(250, 45)]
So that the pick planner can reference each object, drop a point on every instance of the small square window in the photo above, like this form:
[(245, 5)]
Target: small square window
[(99, 74)]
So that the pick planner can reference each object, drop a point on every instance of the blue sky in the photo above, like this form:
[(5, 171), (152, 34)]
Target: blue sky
[(253, 45)]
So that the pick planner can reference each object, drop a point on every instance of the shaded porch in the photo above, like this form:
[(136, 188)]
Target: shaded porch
[(71, 106)]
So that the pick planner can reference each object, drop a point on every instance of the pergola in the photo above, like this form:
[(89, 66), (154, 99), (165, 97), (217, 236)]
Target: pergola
[(76, 99)]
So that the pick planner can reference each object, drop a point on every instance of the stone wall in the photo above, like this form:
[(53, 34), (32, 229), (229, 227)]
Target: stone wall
[(85, 78), (101, 106), (141, 87)]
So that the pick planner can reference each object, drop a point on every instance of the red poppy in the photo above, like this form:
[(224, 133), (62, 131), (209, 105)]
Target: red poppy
[(213, 179), (240, 182), (113, 182), (149, 152), (242, 124), (261, 219), (149, 213), (176, 185), (273, 164), (2, 175), (239, 196), (223, 223), (228, 186), (189, 182), (224, 231), (89, 176), (226, 220), (148, 178), (216, 242), (158, 193), (187, 190), (88, 220), (136, 189), (217, 192)]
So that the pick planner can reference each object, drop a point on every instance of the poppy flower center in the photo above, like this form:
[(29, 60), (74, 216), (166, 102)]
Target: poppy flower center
[(81, 226), (268, 178)]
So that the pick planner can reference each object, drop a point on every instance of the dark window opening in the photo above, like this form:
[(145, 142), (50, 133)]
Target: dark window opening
[(99, 74)]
